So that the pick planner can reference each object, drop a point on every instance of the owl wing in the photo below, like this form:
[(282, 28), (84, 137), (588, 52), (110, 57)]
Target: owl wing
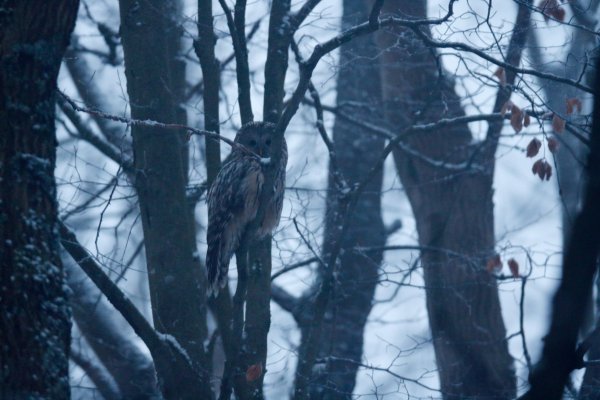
[(273, 212), (232, 203)]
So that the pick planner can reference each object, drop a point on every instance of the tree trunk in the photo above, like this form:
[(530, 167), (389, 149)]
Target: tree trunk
[(155, 80), (561, 355), (34, 311), (570, 157), (356, 151), (454, 213)]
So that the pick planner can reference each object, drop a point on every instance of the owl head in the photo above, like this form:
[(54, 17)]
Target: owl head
[(256, 137)]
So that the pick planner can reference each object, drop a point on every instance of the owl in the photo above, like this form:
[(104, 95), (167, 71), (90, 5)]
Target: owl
[(234, 199)]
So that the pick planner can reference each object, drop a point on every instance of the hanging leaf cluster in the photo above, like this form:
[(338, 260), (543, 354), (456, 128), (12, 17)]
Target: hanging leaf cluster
[(552, 9), (494, 265)]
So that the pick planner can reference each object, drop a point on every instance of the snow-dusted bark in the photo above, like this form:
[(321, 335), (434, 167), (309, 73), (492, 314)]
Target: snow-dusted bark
[(453, 212), (580, 262), (155, 80), (34, 310), (356, 151), (570, 159)]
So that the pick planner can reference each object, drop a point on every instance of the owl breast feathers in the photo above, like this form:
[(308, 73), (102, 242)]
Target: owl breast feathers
[(234, 199)]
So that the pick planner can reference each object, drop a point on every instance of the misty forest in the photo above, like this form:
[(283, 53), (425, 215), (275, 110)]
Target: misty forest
[(307, 199)]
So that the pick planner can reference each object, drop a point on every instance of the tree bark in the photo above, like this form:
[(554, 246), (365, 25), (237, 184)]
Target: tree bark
[(155, 81), (453, 211), (580, 263), (572, 152), (356, 151), (34, 310)]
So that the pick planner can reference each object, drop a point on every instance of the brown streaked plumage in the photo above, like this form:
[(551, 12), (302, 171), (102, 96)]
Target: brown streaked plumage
[(233, 199)]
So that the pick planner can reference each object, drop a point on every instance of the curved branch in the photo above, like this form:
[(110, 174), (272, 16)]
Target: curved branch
[(171, 362)]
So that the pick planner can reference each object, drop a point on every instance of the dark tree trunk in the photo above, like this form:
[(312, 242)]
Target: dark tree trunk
[(590, 387), (34, 311), (155, 80), (454, 212), (358, 94), (570, 159), (560, 355)]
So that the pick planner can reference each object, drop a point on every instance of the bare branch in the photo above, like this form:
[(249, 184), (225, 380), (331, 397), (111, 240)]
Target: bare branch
[(205, 50), (99, 375), (513, 57), (170, 360), (117, 298), (241, 60), (286, 301), (89, 136)]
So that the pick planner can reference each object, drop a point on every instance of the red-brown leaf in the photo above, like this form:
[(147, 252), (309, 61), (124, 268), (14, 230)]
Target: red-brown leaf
[(542, 169), (573, 104), (553, 145), (533, 147), (513, 266), (559, 14), (538, 167), (253, 372), (516, 118), (501, 75), (548, 171), (493, 264), (551, 8), (526, 120), (558, 124)]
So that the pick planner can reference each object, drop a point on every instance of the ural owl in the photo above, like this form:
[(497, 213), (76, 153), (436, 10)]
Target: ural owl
[(233, 199)]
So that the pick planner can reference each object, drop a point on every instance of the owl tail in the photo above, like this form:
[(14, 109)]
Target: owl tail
[(217, 264)]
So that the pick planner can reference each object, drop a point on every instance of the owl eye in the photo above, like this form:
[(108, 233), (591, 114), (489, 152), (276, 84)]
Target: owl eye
[(268, 142), (252, 143)]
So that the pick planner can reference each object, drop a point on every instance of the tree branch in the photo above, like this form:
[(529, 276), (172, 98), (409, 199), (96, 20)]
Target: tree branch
[(98, 375), (211, 76), (172, 363), (513, 57), (241, 60)]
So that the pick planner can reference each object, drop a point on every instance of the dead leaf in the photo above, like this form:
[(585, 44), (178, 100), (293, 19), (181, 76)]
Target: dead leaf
[(533, 147), (513, 266), (253, 372), (553, 145), (494, 264), (559, 13), (516, 118), (558, 124), (542, 169), (551, 9), (537, 167), (572, 104), (500, 73), (526, 120), (548, 171)]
